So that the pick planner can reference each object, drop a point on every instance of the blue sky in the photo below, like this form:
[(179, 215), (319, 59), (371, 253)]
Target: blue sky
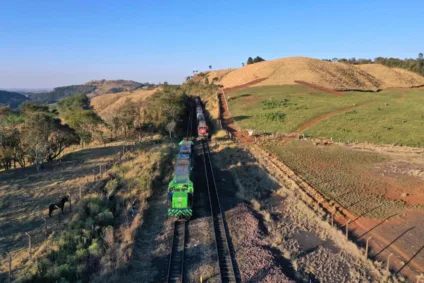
[(54, 43)]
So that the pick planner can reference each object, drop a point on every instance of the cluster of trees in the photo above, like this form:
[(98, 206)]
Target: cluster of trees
[(77, 112), (410, 64), (162, 112), (59, 93), (251, 60), (34, 134)]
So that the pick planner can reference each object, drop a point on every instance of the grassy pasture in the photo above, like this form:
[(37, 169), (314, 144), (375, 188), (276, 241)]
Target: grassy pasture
[(397, 118), (390, 116), (343, 174)]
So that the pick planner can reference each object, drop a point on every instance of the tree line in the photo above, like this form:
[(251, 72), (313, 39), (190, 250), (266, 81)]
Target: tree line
[(410, 64)]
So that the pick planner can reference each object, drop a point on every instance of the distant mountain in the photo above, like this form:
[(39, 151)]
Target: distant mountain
[(26, 90), (13, 99), (91, 89)]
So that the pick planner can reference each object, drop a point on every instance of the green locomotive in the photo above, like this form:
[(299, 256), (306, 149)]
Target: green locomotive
[(180, 189)]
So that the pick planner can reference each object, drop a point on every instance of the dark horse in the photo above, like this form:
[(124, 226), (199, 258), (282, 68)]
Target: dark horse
[(60, 204)]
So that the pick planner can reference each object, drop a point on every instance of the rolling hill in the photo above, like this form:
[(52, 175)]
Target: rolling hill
[(91, 89), (393, 77), (333, 75), (13, 99), (107, 105)]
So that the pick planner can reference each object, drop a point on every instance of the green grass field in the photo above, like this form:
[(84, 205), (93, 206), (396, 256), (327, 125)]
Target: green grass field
[(387, 117), (344, 175)]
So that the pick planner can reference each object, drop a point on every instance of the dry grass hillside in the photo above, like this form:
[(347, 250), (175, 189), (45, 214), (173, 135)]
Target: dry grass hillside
[(338, 76), (393, 77), (112, 86), (107, 105)]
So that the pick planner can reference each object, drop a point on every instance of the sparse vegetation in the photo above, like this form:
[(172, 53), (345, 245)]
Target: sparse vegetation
[(387, 117), (343, 175)]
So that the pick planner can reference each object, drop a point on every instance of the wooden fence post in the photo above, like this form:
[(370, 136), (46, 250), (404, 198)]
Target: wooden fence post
[(10, 267), (388, 261), (60, 212), (366, 247), (80, 193), (45, 227), (347, 229), (101, 171), (29, 245), (70, 202)]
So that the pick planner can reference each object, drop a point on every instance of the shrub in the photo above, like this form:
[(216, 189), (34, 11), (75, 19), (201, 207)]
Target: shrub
[(275, 116)]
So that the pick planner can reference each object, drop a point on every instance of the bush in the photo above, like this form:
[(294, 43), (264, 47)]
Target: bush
[(275, 116)]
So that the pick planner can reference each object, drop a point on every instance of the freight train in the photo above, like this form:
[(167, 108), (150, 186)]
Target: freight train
[(180, 189), (202, 128)]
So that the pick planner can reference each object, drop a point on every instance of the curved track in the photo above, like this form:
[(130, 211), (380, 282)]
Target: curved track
[(228, 273)]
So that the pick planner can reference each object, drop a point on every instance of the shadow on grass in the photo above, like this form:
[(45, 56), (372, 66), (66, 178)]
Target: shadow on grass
[(241, 117), (240, 96)]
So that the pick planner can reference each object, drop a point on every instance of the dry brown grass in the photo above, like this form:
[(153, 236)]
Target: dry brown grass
[(339, 76), (26, 195), (107, 105), (393, 77)]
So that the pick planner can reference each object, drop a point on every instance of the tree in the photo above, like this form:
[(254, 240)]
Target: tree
[(210, 67), (128, 116), (44, 138), (258, 59), (242, 64), (9, 142), (78, 113), (420, 64), (249, 61)]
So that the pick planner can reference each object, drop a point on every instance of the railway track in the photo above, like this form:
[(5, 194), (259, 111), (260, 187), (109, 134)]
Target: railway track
[(228, 272), (176, 263)]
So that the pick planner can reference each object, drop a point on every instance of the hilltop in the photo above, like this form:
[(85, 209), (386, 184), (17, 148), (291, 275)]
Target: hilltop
[(107, 105), (115, 86), (334, 75), (13, 99), (91, 89)]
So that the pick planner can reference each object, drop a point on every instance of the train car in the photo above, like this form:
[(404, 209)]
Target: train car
[(181, 189), (202, 130), (202, 127)]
